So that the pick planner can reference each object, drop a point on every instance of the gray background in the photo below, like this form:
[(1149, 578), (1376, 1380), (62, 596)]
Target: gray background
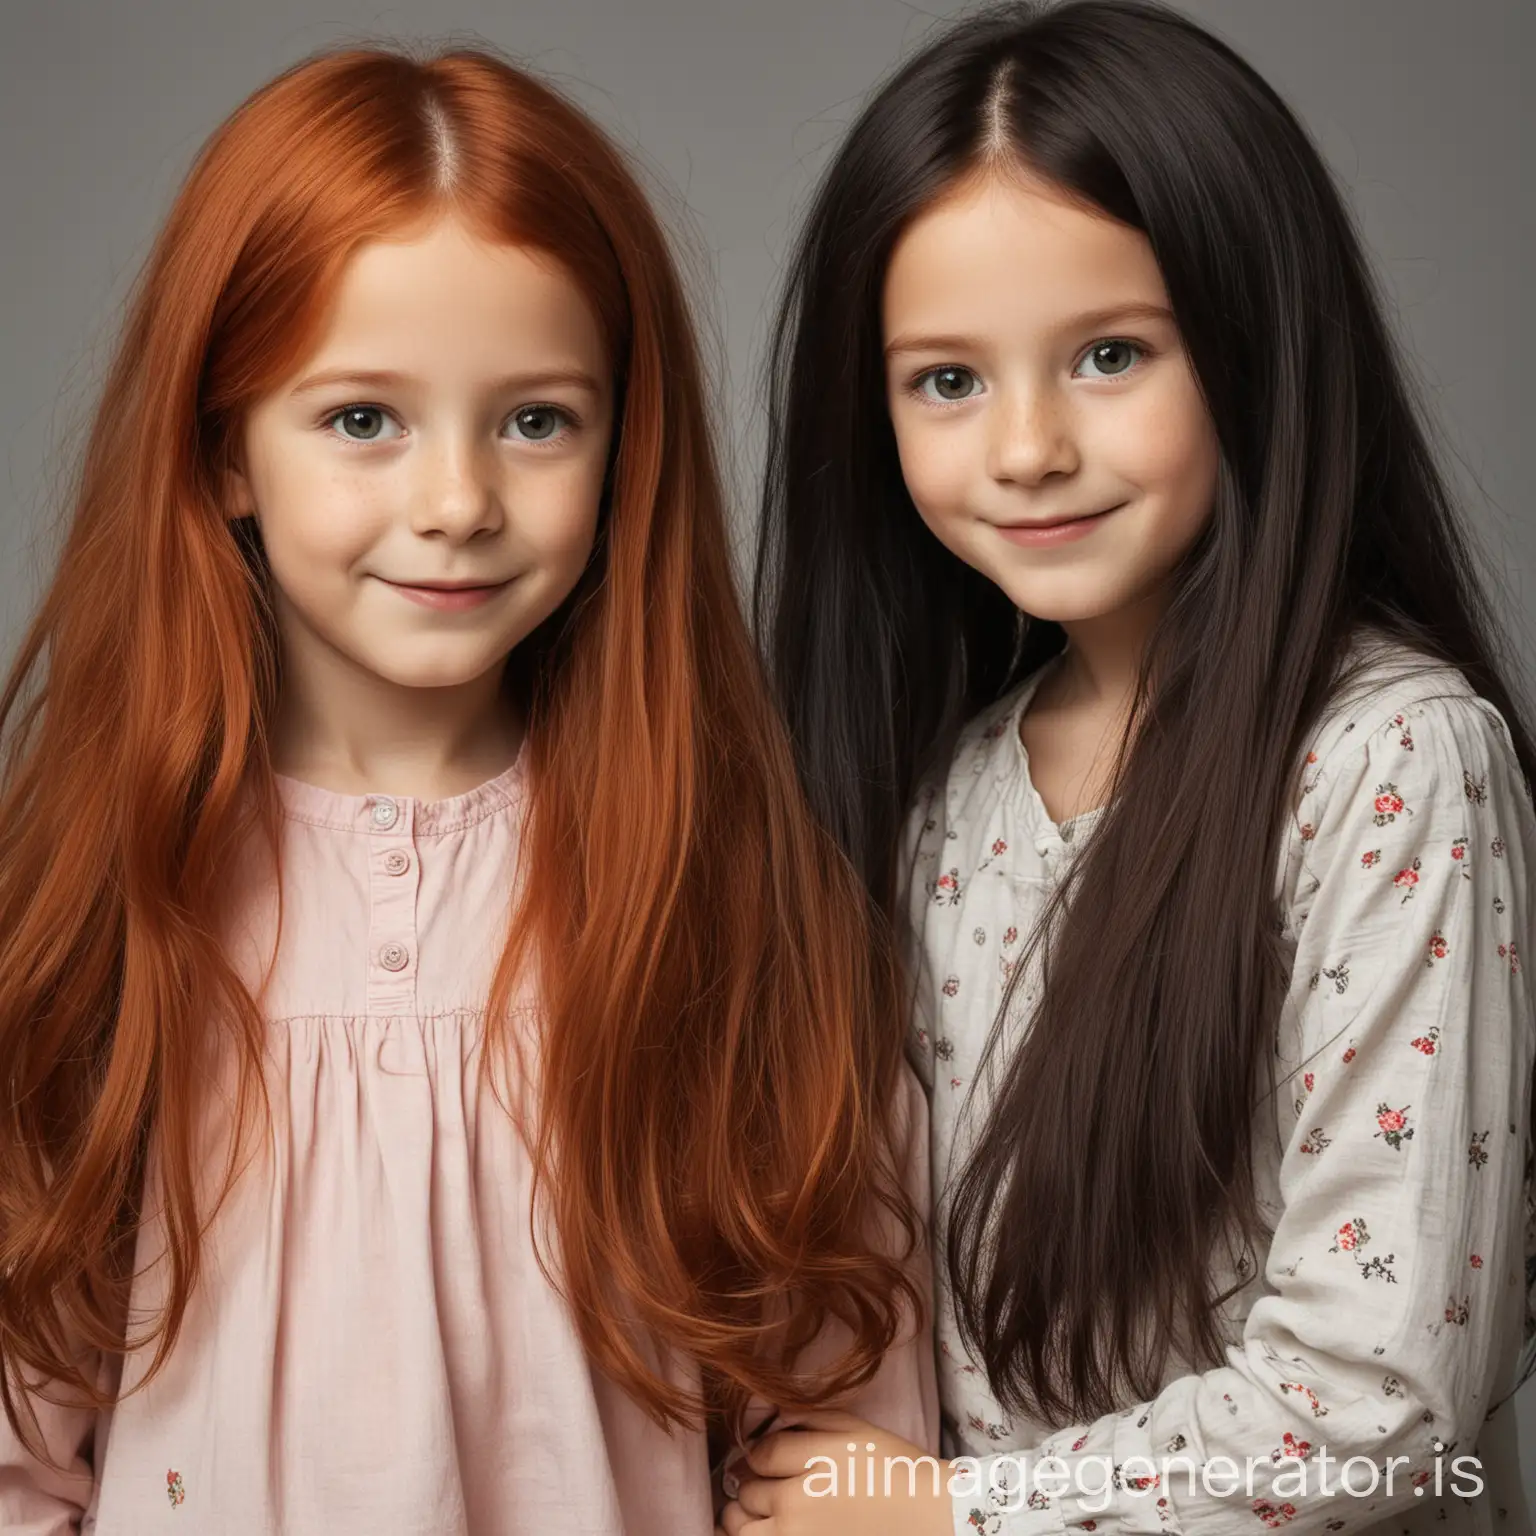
[(732, 108)]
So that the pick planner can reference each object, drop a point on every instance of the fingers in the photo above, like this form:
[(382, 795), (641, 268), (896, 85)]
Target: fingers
[(758, 1496), (789, 1452), (735, 1521)]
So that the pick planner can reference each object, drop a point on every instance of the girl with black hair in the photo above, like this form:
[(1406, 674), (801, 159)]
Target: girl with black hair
[(1105, 551)]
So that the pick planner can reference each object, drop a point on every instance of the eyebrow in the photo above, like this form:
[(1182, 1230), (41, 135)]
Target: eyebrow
[(1090, 319), (374, 378)]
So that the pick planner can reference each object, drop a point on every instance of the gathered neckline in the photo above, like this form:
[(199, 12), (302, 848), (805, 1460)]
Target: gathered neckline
[(321, 807)]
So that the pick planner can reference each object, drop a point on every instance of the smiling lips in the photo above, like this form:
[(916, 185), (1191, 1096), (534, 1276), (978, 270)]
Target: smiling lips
[(1057, 531), (449, 597)]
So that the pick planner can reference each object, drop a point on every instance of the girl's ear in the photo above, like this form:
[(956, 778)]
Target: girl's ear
[(235, 493)]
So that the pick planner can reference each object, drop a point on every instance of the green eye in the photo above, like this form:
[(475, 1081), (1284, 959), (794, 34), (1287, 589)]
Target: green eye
[(1110, 359), (949, 384), (362, 423), (539, 423)]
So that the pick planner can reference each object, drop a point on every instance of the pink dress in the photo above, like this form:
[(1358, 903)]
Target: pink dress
[(372, 1346)]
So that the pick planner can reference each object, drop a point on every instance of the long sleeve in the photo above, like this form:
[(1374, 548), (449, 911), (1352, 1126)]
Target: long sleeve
[(1391, 1304), (36, 1499)]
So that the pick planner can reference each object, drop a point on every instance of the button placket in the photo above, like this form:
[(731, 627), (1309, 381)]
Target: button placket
[(393, 875)]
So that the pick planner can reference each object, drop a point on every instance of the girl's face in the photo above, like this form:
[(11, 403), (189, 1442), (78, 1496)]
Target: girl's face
[(427, 482), (1051, 430)]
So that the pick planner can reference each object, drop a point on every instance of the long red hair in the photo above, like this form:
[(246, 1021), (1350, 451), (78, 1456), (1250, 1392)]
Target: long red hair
[(719, 1038)]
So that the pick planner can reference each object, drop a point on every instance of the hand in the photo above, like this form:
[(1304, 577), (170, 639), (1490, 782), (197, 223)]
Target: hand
[(795, 1482)]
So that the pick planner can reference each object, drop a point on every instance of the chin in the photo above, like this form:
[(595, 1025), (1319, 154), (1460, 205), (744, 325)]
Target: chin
[(439, 675), (1056, 607)]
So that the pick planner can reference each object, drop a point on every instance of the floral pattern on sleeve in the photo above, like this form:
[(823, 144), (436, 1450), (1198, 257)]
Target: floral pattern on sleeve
[(1406, 1048)]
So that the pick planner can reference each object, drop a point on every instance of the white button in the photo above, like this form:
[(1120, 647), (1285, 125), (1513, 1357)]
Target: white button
[(394, 957), (397, 861), (385, 813)]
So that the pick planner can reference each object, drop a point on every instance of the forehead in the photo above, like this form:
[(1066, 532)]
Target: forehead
[(445, 289), (1009, 248)]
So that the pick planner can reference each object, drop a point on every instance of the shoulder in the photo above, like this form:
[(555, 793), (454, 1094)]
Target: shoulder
[(1393, 703), (982, 760), (1405, 736), (958, 799)]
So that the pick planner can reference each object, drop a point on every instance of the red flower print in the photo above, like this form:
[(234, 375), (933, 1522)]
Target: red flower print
[(1458, 1311), (999, 846), (1427, 1043), (1349, 1055), (175, 1490), (1308, 1080), (1291, 1449), (1371, 859), (1395, 1129), (1351, 1235), (1406, 880), (1311, 757), (1459, 849), (951, 986), (1010, 937), (1438, 949), (1388, 804), (1316, 1141), (1318, 1411), (1274, 1515), (1511, 953), (1477, 1261), (1308, 832), (954, 1082)]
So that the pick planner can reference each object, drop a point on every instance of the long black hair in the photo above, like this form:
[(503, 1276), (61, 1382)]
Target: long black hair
[(1329, 513)]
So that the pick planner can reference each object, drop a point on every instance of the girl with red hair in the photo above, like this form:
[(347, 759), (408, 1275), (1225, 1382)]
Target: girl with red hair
[(448, 1071)]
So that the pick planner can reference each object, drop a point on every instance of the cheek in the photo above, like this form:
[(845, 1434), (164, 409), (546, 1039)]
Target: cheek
[(1166, 446), (315, 513), (556, 515), (934, 465)]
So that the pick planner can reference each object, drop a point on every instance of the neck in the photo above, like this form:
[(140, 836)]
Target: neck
[(342, 727), (1104, 654)]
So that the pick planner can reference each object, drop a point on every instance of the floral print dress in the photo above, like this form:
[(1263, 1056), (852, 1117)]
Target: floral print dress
[(1388, 1315)]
